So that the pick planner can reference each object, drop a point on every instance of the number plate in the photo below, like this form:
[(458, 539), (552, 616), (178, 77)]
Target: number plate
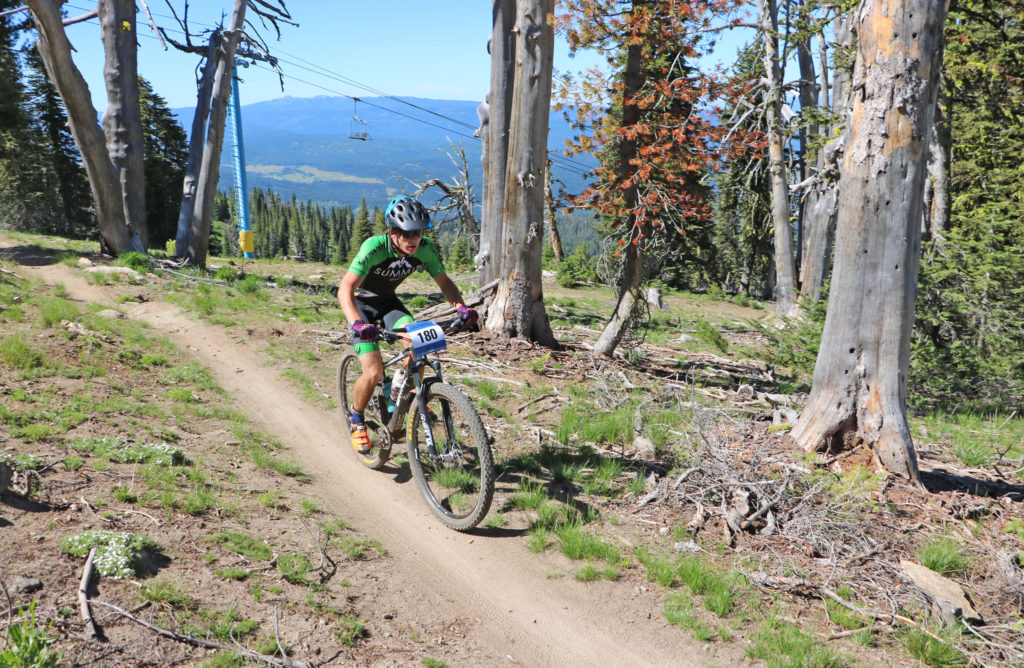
[(427, 337)]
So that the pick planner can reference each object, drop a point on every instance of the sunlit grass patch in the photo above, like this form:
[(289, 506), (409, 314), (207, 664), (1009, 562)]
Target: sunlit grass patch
[(168, 593), (17, 353), (943, 554), (781, 645), (678, 610), (52, 310), (935, 651)]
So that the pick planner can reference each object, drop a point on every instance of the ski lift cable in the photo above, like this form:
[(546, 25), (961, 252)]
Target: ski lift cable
[(565, 163)]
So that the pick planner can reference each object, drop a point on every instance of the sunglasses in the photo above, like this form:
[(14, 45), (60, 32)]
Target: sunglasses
[(410, 234)]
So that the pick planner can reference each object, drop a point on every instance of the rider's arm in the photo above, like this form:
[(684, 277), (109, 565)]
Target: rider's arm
[(449, 290), (347, 296)]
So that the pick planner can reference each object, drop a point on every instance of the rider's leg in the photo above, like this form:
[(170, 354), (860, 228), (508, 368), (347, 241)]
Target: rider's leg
[(373, 370)]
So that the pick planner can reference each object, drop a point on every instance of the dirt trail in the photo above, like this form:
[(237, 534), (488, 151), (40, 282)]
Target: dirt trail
[(521, 616)]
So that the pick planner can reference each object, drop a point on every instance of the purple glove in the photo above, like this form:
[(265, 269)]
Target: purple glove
[(467, 315), (364, 331)]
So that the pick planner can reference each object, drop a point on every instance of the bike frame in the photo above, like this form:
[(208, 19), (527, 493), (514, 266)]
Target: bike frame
[(421, 385)]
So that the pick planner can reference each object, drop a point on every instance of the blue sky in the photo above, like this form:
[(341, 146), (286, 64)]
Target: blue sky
[(398, 47)]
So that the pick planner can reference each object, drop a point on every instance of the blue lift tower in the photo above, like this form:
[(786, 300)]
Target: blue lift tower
[(245, 240)]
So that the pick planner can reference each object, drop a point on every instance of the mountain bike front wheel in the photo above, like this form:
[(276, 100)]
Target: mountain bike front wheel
[(450, 457), (349, 371)]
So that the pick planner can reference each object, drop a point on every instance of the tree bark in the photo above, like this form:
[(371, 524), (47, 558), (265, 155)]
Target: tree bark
[(122, 121), (518, 306), (785, 265), (115, 234), (936, 211), (632, 275), (860, 378), (209, 171), (499, 100), (195, 150), (549, 201)]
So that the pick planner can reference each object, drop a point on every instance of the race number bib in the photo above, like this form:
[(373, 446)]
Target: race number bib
[(427, 337)]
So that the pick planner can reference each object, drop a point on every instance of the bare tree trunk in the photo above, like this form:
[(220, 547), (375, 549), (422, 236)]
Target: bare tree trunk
[(54, 48), (518, 306), (632, 280), (632, 268), (936, 212), (209, 171), (785, 266), (549, 201), (860, 379), (503, 66), (195, 150), (122, 121)]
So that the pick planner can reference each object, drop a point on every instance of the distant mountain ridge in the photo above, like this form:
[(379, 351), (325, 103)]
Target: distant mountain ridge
[(301, 146)]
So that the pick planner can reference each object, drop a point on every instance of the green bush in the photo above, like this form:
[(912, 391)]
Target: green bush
[(577, 268), (118, 554), (140, 262)]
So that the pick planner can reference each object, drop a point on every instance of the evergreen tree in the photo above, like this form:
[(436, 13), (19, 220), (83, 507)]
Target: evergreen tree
[(969, 337), (26, 187), (63, 173), (361, 231), (166, 153)]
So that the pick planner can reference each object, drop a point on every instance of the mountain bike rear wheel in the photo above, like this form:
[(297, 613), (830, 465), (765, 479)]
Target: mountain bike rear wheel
[(349, 371), (457, 477)]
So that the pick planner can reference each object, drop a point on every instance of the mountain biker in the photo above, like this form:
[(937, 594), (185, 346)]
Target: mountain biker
[(367, 294)]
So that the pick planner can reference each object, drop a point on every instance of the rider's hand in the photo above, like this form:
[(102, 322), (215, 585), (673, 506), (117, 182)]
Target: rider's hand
[(364, 331), (466, 314)]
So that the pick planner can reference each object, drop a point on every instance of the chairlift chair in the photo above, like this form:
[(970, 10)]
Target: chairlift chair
[(358, 129)]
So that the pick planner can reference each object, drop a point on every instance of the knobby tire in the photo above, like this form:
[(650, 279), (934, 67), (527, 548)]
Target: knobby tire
[(457, 483)]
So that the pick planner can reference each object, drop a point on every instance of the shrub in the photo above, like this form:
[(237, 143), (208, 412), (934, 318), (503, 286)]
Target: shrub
[(118, 554), (140, 262), (577, 268)]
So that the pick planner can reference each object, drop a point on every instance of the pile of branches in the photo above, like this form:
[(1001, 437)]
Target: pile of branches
[(789, 515)]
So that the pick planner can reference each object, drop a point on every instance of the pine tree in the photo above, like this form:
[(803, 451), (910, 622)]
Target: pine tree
[(361, 231), (166, 154)]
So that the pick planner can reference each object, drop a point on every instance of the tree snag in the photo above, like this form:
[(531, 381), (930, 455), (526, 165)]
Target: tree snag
[(518, 306), (860, 379)]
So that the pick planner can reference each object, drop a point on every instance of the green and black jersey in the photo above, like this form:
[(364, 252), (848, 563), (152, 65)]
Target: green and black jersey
[(383, 270)]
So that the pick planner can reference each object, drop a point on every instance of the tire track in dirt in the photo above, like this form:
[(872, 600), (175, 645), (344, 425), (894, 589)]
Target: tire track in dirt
[(521, 615)]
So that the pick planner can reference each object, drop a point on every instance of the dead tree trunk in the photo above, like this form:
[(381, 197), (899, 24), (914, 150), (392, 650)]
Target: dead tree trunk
[(860, 378), (785, 263), (499, 110), (518, 306), (197, 139), (631, 279), (209, 170), (936, 210), (122, 121), (549, 202), (116, 233)]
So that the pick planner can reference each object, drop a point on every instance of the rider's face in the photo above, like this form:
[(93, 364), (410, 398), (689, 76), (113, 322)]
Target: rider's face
[(406, 242)]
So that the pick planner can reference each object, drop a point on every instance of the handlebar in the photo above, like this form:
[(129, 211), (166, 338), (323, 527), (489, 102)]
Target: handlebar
[(391, 335)]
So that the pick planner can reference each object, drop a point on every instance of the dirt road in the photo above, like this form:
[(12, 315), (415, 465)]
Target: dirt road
[(521, 616)]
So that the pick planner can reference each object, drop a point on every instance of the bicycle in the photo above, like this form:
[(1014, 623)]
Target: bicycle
[(447, 445)]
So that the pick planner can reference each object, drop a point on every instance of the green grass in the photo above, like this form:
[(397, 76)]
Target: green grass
[(243, 544), (841, 615), (935, 652), (349, 630), (783, 645), (943, 554), (17, 353), (53, 310), (358, 549), (168, 593), (295, 568), (530, 496), (590, 424), (678, 610), (575, 543)]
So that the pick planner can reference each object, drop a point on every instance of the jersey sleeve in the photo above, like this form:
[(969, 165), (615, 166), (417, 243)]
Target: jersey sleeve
[(430, 255), (368, 255)]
